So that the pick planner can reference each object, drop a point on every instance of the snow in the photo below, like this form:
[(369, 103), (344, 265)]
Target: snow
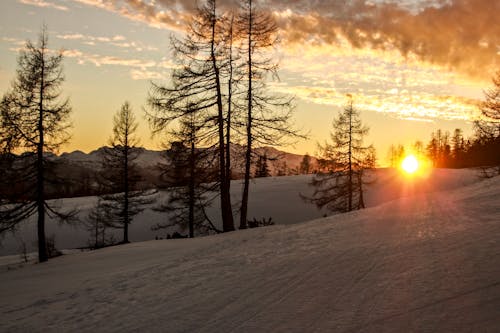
[(276, 197), (426, 262)]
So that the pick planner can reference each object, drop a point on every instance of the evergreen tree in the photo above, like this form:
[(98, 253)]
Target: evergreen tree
[(96, 224), (396, 155), (120, 173), (261, 167), (488, 128), (340, 187), (190, 180), (305, 165), (487, 145), (34, 121), (458, 148)]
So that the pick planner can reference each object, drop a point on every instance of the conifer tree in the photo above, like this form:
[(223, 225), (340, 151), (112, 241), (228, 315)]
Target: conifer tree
[(34, 121), (305, 165), (268, 115), (339, 186), (202, 57), (190, 181), (488, 130), (120, 176)]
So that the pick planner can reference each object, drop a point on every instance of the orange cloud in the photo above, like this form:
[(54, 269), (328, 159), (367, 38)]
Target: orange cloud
[(43, 4), (460, 34), (463, 35)]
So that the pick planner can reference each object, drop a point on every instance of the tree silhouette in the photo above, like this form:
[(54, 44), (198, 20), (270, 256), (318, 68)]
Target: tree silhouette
[(202, 57), (120, 174), (268, 115), (487, 130), (190, 181), (339, 186), (489, 126), (305, 164), (96, 223), (261, 167), (34, 121)]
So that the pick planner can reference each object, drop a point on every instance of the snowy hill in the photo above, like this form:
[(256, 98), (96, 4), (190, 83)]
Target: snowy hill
[(276, 197), (427, 262)]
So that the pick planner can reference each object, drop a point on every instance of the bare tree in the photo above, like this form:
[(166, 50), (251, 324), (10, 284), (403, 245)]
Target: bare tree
[(340, 187), (120, 173), (488, 129), (268, 118), (33, 121), (198, 82), (396, 155), (96, 223), (489, 126), (190, 181)]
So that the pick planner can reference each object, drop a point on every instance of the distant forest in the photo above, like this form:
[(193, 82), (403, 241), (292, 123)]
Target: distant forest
[(446, 150)]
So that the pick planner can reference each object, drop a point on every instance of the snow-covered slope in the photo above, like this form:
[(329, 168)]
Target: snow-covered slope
[(276, 197), (428, 262)]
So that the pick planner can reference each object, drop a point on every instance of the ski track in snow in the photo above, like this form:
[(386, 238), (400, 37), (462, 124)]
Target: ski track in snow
[(423, 263)]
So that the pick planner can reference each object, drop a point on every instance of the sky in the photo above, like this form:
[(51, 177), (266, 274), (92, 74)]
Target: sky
[(411, 66)]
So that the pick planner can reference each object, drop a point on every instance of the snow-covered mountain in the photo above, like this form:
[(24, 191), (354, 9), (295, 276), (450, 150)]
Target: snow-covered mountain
[(149, 159), (427, 261)]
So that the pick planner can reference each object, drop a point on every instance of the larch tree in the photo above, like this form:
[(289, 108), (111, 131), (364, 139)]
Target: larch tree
[(489, 126), (120, 176), (488, 129), (96, 223), (198, 81), (34, 121), (189, 178), (268, 115), (261, 167), (305, 164), (339, 186)]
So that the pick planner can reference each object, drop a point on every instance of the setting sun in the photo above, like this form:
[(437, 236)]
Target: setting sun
[(410, 164)]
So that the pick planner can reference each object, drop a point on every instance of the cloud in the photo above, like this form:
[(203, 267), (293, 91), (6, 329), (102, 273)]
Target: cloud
[(459, 34), (419, 106), (78, 36), (43, 4), (462, 35), (117, 40), (151, 13), (141, 74), (140, 69), (100, 60), (403, 89)]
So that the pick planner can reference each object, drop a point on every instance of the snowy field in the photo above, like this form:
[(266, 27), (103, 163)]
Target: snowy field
[(427, 262), (276, 197)]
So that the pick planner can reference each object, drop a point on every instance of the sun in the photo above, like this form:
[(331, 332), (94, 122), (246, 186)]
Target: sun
[(410, 164)]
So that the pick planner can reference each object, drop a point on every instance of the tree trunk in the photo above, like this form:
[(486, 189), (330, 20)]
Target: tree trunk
[(229, 108), (191, 188), (226, 211), (349, 185), (126, 194), (248, 153), (40, 193)]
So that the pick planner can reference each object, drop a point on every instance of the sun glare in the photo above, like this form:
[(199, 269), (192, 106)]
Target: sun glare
[(410, 164)]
